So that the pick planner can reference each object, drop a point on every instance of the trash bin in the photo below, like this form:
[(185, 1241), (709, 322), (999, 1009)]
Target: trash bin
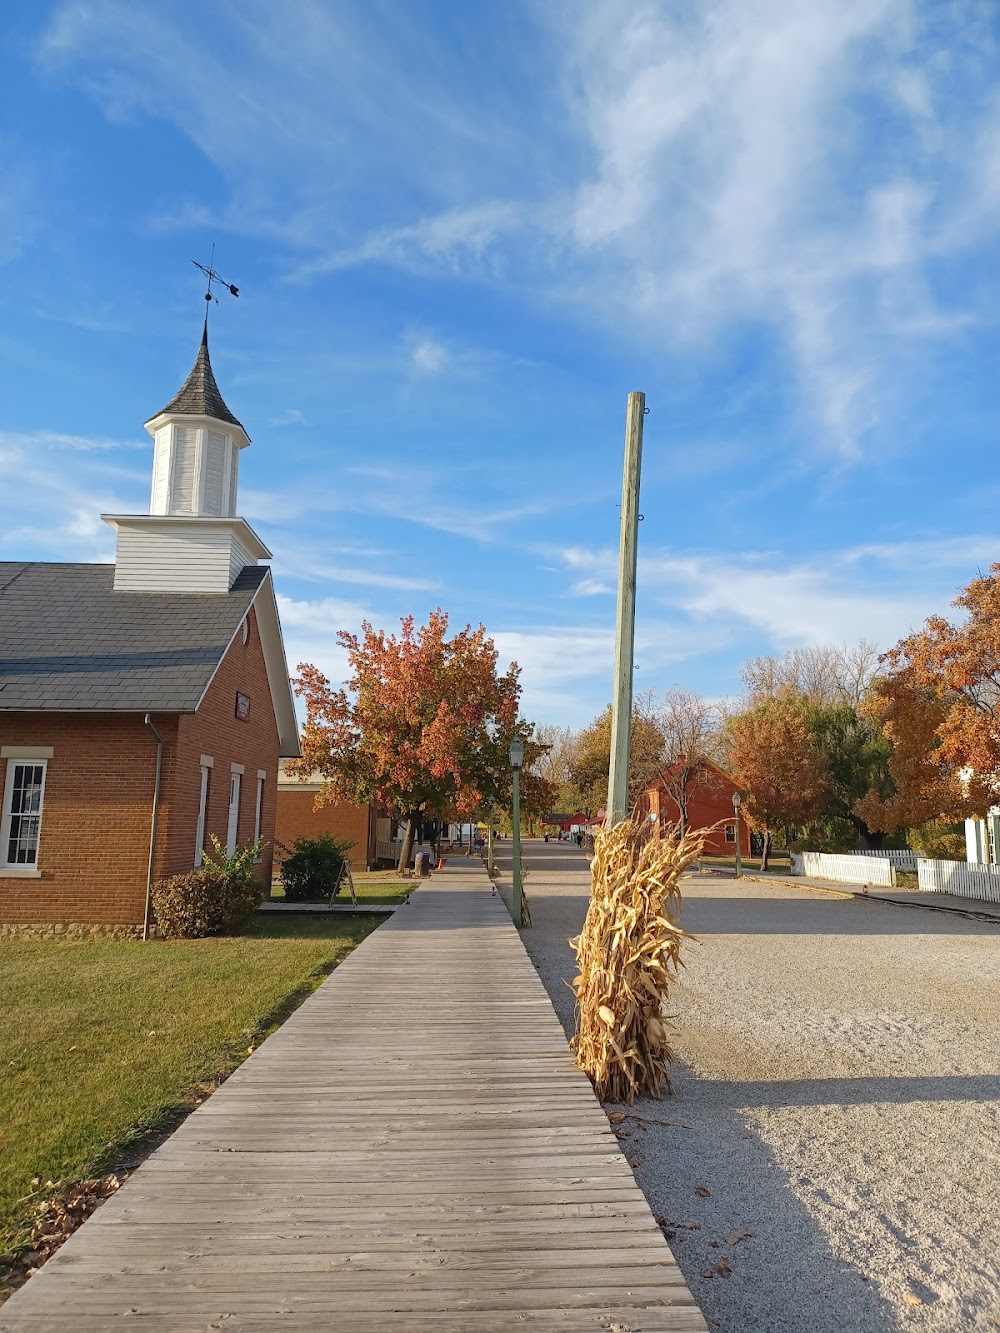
[(422, 865)]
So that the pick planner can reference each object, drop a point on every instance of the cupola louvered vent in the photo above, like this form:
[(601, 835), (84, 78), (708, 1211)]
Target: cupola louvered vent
[(215, 473), (183, 498)]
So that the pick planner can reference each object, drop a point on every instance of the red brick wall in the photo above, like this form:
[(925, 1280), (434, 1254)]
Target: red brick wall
[(216, 730), (94, 845), (297, 817), (710, 800)]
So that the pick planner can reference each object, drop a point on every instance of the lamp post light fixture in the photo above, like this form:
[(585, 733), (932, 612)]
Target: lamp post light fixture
[(516, 760), (736, 816)]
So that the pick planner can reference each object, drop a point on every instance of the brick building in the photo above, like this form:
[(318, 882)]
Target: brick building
[(709, 802), (298, 816), (169, 662)]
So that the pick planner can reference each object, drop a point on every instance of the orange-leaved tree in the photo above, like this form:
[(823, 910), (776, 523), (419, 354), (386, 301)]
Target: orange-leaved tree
[(423, 726), (775, 758), (938, 703)]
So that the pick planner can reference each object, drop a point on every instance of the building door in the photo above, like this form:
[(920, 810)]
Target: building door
[(234, 813)]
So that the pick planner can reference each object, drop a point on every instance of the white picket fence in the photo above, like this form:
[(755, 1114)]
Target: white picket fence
[(845, 869), (905, 860), (968, 881)]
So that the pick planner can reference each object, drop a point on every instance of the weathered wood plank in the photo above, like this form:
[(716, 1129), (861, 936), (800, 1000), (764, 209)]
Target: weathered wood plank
[(414, 1149)]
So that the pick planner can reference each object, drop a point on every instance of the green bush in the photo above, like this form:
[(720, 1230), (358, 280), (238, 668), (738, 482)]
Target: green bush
[(203, 902), (311, 868), (238, 867)]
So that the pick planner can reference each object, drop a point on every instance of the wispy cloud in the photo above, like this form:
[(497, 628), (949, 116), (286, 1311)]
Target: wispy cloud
[(878, 591), (429, 355), (290, 417), (792, 173)]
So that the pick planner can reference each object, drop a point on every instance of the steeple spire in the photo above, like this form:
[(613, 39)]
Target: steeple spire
[(199, 395)]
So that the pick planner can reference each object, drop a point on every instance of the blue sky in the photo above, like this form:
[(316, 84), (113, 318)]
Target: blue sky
[(462, 233)]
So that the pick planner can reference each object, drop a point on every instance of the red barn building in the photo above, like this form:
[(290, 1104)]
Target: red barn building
[(143, 705), (710, 792)]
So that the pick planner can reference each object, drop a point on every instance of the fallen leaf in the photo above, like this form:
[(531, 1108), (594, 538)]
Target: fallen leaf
[(705, 1193), (71, 1048), (714, 1244), (910, 1299), (708, 1272), (616, 1117), (734, 1237), (723, 1267)]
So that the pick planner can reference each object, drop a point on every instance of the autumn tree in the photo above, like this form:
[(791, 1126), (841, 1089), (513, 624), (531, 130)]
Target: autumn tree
[(825, 673), (858, 755), (692, 746), (938, 703), (775, 758), (423, 726), (557, 751), (592, 759), (832, 682)]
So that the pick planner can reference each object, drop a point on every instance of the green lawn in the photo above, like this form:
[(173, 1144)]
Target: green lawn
[(371, 893), (101, 1042)]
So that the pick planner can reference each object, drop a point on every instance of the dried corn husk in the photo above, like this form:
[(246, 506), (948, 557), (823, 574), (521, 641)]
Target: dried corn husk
[(627, 954)]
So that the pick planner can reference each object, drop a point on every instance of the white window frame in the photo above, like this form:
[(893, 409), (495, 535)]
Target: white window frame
[(259, 810), (233, 826), (37, 757), (207, 763), (731, 833)]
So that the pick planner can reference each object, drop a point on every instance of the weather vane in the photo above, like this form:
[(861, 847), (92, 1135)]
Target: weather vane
[(212, 276)]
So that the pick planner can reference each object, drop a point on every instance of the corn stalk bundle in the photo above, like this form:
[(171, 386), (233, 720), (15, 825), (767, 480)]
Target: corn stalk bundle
[(627, 954)]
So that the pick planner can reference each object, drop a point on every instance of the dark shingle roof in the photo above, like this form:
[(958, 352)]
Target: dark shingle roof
[(199, 394), (68, 641)]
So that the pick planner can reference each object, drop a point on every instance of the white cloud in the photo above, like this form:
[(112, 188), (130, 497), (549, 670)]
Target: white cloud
[(591, 588), (429, 356), (878, 591), (290, 417), (782, 175)]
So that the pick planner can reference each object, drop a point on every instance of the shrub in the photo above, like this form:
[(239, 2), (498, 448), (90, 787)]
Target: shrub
[(312, 867), (203, 902), (238, 867)]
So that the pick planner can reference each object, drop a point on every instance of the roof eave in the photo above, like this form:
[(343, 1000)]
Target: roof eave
[(199, 419)]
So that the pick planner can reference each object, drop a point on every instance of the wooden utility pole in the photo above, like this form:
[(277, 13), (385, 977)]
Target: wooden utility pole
[(621, 715)]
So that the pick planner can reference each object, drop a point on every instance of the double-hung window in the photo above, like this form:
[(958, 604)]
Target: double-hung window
[(21, 824), (206, 783)]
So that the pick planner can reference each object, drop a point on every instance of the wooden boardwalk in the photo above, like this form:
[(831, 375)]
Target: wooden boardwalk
[(413, 1150)]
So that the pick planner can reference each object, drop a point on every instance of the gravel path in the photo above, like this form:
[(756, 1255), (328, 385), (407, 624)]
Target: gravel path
[(837, 1097)]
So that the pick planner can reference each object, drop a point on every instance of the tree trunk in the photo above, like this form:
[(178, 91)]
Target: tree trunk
[(766, 849), (407, 849)]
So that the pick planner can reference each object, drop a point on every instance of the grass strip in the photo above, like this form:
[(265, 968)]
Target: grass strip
[(105, 1044)]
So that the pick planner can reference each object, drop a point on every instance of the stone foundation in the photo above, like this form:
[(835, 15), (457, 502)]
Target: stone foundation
[(67, 930)]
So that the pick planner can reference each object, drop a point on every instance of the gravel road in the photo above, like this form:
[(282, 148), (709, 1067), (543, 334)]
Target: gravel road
[(834, 1133)]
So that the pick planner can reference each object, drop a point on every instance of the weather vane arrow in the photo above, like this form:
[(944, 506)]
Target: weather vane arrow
[(212, 276)]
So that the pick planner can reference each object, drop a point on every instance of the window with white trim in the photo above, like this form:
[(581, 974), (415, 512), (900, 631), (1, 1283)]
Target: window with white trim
[(233, 830), (258, 812), (730, 833), (199, 836), (20, 831)]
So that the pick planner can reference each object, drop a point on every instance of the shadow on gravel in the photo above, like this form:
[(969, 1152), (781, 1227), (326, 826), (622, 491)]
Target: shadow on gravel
[(853, 1091), (784, 1277), (817, 916)]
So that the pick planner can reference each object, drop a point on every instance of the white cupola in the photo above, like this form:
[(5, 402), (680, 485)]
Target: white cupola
[(196, 450), (191, 540)]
